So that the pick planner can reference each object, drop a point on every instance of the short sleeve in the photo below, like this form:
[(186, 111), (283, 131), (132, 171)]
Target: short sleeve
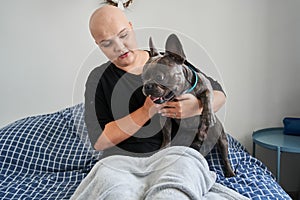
[(90, 114)]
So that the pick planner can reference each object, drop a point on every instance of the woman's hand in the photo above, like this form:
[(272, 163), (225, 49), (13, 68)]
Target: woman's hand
[(186, 105), (150, 107)]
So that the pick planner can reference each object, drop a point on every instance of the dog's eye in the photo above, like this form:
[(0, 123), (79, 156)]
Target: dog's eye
[(159, 77)]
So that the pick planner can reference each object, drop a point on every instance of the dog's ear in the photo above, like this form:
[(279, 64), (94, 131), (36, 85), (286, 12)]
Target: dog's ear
[(174, 48), (153, 50)]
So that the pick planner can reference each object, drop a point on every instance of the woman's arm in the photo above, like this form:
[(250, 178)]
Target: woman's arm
[(219, 100), (121, 129)]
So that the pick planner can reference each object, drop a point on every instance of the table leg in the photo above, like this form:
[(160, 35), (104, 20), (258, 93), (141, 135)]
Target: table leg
[(278, 164)]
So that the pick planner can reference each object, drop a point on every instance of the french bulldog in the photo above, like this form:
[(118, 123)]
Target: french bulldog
[(168, 75)]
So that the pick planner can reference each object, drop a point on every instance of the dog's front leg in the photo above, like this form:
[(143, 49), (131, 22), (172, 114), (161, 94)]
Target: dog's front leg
[(208, 116), (198, 141), (205, 94), (166, 124)]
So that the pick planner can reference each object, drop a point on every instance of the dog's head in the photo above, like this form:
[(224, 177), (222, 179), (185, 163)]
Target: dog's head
[(163, 75)]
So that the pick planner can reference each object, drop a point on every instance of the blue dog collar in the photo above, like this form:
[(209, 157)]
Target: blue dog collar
[(196, 81)]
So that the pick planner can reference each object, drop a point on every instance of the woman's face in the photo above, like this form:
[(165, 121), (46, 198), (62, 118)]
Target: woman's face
[(118, 44), (114, 34)]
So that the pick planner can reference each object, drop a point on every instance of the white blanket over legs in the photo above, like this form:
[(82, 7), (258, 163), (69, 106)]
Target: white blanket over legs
[(172, 173)]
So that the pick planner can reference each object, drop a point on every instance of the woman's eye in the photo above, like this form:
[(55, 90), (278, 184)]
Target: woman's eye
[(105, 44), (123, 35)]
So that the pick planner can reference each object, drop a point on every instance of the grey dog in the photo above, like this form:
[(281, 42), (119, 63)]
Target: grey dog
[(167, 76)]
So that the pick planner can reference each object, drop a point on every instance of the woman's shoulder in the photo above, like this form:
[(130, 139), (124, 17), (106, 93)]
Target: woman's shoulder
[(100, 69), (96, 73)]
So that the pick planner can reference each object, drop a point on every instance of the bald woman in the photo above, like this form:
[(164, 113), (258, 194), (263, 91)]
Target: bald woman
[(119, 118)]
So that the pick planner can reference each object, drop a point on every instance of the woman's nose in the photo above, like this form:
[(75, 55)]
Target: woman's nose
[(119, 45)]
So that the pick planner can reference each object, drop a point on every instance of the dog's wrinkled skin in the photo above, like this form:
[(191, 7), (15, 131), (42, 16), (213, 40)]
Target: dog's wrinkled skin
[(166, 77)]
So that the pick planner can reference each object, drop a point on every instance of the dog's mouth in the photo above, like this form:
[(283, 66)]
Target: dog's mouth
[(159, 100)]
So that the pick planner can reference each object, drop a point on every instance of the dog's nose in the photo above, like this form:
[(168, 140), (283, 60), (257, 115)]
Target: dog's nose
[(149, 86)]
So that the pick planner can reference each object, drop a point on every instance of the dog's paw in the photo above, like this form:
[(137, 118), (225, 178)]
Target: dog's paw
[(196, 145), (165, 145), (229, 174)]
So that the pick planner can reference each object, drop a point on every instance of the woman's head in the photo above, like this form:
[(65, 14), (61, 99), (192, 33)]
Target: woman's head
[(114, 34)]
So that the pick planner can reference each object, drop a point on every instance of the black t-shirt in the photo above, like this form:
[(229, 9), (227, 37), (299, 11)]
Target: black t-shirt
[(110, 94)]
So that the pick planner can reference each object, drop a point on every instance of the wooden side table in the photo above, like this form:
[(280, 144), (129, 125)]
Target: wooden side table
[(275, 139)]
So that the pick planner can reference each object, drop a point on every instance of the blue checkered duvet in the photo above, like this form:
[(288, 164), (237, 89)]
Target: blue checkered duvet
[(47, 156), (252, 179)]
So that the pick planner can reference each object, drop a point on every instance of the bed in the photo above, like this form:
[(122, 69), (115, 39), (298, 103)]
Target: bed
[(47, 157)]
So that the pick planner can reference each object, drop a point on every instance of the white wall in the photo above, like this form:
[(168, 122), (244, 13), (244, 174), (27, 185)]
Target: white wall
[(42, 46), (46, 53)]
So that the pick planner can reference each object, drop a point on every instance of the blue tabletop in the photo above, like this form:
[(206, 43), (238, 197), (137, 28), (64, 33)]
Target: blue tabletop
[(273, 138)]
